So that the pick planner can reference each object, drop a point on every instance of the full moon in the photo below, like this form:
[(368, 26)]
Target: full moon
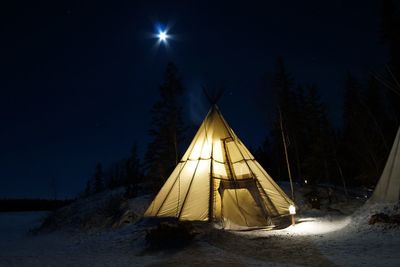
[(162, 36)]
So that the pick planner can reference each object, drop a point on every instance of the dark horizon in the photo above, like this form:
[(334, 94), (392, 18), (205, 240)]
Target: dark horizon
[(79, 79)]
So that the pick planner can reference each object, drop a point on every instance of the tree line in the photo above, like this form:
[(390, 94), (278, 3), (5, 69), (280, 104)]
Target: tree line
[(167, 131), (9, 205), (302, 142)]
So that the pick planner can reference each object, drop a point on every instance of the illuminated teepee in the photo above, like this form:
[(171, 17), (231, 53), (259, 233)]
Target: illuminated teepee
[(218, 179)]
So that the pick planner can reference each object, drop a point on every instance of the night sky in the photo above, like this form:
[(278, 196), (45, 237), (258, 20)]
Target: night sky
[(78, 79)]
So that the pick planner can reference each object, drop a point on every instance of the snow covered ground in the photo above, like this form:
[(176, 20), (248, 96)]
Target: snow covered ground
[(318, 239)]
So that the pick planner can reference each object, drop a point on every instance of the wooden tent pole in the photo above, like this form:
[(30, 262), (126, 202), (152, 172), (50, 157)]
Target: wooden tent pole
[(211, 199), (286, 152)]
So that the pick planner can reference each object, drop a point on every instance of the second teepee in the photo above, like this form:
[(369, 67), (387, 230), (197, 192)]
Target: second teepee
[(388, 188), (387, 191)]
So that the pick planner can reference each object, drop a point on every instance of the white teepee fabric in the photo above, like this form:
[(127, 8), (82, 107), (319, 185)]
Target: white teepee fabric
[(388, 187), (219, 179)]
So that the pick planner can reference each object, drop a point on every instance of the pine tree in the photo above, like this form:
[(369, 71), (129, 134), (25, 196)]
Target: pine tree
[(361, 138), (88, 188), (285, 127), (377, 113), (350, 146), (98, 179), (167, 129), (114, 177), (377, 123), (302, 122), (390, 26), (316, 134), (263, 153), (133, 172)]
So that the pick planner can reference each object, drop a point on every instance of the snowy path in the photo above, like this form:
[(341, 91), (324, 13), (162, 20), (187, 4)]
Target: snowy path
[(337, 243)]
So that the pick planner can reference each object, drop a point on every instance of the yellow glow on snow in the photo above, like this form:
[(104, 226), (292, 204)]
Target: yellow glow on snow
[(312, 226)]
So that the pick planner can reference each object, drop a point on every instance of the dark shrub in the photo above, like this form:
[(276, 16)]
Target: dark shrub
[(384, 218), (170, 235)]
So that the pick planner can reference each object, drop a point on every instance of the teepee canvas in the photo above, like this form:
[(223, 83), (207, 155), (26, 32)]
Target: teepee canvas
[(218, 179), (388, 188)]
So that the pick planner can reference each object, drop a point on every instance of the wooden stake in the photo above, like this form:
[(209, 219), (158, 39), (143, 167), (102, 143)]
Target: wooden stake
[(286, 152)]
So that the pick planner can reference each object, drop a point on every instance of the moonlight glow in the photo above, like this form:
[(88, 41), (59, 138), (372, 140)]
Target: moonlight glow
[(163, 36)]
